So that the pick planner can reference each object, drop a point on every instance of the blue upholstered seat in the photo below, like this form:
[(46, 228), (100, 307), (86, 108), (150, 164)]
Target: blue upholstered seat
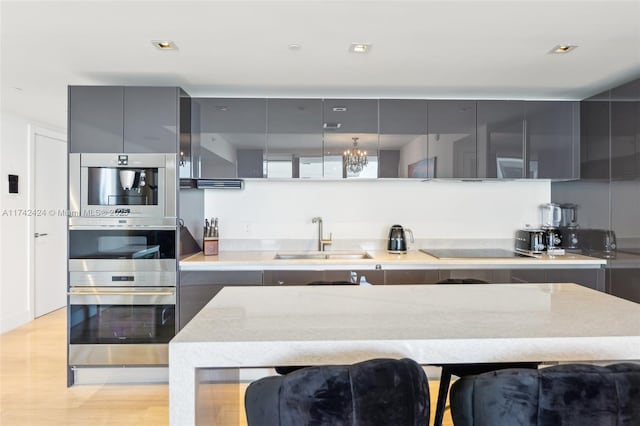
[(378, 392)]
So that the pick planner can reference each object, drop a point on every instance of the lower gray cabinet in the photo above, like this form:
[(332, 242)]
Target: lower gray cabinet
[(418, 276), (197, 288), (624, 283), (324, 277)]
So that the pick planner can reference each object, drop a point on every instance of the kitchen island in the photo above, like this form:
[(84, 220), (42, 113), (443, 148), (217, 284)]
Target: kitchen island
[(248, 327)]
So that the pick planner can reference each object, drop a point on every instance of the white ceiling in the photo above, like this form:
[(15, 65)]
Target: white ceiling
[(429, 49)]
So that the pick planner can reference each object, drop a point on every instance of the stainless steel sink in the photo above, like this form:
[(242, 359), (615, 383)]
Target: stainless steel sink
[(348, 255)]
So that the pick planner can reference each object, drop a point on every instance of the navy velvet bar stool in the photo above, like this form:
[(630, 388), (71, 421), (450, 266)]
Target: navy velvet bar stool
[(377, 392), (567, 395)]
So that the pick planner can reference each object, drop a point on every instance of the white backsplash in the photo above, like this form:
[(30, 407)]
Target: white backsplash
[(277, 215)]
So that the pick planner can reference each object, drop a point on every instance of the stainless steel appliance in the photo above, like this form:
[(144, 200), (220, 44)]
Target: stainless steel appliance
[(531, 241), (120, 325), (598, 242), (569, 231), (397, 242), (122, 290), (122, 185), (550, 215), (124, 244)]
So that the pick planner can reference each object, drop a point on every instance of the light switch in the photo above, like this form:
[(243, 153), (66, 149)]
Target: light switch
[(13, 184)]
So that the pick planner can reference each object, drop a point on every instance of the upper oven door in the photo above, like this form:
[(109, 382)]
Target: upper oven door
[(123, 185), (122, 248)]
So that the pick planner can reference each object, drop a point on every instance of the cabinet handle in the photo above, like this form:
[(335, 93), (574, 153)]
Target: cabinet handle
[(36, 235)]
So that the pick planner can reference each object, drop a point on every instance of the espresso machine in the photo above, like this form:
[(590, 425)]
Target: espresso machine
[(569, 232)]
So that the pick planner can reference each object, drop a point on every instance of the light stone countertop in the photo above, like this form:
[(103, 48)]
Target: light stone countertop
[(380, 259), (244, 327)]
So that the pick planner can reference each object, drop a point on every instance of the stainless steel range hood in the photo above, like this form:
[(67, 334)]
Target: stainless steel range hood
[(211, 183)]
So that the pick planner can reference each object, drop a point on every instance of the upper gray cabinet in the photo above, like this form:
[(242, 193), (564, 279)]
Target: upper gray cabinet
[(123, 119), (96, 118), (500, 133), (294, 138), (552, 131), (403, 149), (229, 136), (594, 137), (350, 124), (625, 131), (452, 139)]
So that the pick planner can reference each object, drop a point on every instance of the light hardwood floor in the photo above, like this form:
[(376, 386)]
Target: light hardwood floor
[(33, 385)]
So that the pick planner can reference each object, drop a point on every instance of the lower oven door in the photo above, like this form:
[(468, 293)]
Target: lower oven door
[(121, 326)]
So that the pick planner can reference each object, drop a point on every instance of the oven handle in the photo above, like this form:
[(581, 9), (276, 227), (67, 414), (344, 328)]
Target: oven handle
[(79, 292)]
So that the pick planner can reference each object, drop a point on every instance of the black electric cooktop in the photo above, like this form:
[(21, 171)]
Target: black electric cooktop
[(470, 253)]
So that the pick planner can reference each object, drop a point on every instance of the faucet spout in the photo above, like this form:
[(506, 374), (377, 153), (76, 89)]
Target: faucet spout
[(321, 241)]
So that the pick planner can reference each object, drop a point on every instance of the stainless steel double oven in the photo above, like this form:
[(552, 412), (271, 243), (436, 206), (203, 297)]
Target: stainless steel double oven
[(122, 262)]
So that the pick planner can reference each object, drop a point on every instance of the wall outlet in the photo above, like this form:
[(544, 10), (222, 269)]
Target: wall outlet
[(247, 228)]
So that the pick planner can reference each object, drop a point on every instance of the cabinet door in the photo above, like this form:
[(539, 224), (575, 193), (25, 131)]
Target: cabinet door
[(403, 139), (452, 138), (395, 277), (350, 124), (500, 133), (553, 140), (185, 159), (151, 119), (197, 288), (294, 138), (594, 138), (625, 131), (95, 118), (232, 136)]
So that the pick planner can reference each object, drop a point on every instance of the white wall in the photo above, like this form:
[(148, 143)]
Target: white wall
[(268, 211), (15, 227)]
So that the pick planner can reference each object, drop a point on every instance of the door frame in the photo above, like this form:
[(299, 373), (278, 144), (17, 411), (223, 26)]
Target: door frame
[(33, 131)]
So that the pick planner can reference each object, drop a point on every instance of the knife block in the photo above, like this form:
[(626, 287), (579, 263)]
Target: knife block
[(210, 246)]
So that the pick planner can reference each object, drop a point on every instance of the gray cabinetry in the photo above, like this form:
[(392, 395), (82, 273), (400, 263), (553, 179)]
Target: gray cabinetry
[(350, 124), (197, 288), (151, 119), (452, 139), (403, 139), (230, 134), (552, 140), (500, 133), (96, 117), (123, 119), (277, 278), (294, 138), (393, 277), (625, 131), (594, 136)]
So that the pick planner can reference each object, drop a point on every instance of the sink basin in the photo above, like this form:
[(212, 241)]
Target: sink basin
[(324, 255)]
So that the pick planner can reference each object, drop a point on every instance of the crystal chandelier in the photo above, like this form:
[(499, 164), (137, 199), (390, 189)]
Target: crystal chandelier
[(355, 159)]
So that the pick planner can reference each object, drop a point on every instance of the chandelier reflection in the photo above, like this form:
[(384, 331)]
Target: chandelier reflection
[(355, 159)]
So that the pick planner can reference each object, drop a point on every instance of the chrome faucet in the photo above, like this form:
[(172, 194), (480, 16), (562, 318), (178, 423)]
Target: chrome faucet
[(321, 242)]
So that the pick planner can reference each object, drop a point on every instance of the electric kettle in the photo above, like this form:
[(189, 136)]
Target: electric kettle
[(397, 240)]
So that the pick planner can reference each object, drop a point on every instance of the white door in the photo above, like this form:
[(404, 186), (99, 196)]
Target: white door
[(50, 224)]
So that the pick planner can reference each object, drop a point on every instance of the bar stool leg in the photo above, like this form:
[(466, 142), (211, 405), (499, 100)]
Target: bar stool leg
[(445, 380)]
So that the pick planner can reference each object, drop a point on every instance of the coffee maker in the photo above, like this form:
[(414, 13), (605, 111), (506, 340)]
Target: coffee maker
[(569, 226)]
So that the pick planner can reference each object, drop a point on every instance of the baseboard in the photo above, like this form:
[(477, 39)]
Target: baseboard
[(9, 322)]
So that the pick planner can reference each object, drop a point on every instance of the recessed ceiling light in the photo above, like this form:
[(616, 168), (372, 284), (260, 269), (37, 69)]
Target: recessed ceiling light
[(294, 46), (360, 47), (563, 48), (164, 44)]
